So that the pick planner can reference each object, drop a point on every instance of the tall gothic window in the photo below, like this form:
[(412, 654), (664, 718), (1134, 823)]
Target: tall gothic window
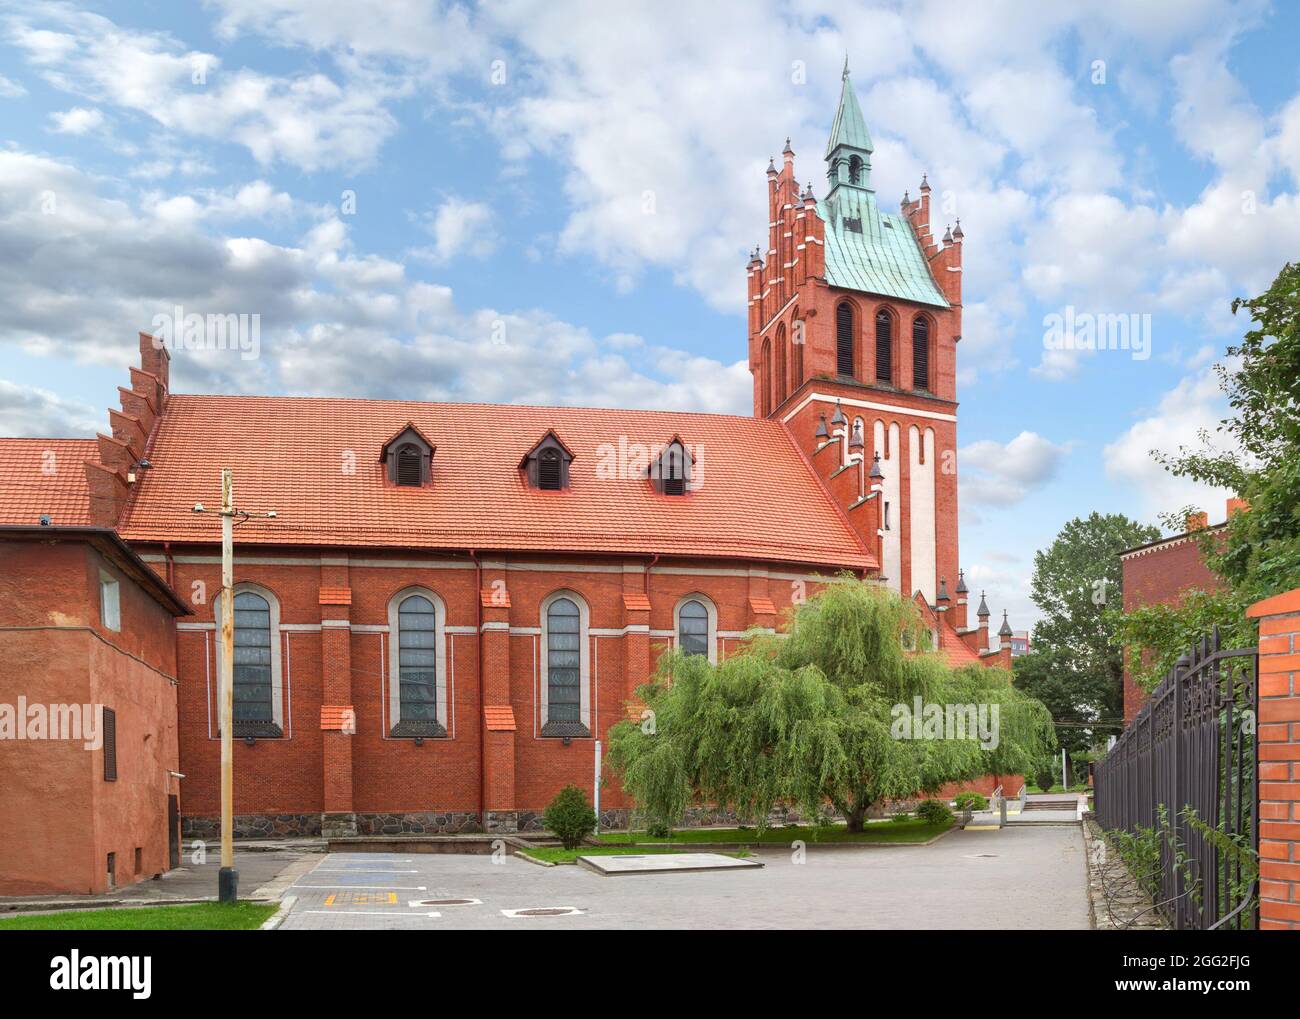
[(921, 354), (565, 667), (417, 668), (884, 346), (844, 339), (253, 676), (781, 375), (765, 378)]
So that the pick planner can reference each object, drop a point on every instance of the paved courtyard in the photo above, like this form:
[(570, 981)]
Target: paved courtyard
[(1015, 878)]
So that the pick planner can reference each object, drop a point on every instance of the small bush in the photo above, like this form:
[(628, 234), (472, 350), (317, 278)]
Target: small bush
[(933, 812), (659, 830), (569, 817), (1045, 779), (973, 800), (901, 817)]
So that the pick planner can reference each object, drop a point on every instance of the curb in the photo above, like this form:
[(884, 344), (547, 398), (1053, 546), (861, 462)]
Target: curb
[(275, 919)]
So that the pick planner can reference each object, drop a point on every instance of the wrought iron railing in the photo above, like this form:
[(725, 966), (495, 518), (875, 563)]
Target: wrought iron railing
[(1187, 768)]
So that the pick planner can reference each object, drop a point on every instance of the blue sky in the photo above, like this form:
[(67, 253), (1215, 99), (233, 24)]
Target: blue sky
[(553, 205)]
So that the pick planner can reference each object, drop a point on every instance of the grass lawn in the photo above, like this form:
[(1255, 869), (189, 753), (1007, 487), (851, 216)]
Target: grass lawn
[(558, 854), (203, 916), (876, 832)]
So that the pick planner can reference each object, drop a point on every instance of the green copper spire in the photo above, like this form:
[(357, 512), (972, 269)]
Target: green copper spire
[(849, 130)]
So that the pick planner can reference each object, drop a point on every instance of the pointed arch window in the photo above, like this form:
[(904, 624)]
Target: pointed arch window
[(765, 378), (546, 465), (921, 354), (797, 353), (782, 378), (855, 170), (844, 339), (884, 346)]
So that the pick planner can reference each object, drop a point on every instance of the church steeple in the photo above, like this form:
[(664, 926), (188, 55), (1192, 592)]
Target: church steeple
[(849, 148)]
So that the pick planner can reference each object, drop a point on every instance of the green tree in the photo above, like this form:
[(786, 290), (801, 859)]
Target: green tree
[(809, 718), (1258, 553), (1076, 668)]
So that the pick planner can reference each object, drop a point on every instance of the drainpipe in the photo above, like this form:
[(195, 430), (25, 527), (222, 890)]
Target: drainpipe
[(646, 586), (171, 565), (478, 654)]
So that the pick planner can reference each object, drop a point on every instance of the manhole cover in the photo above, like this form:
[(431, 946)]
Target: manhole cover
[(543, 911)]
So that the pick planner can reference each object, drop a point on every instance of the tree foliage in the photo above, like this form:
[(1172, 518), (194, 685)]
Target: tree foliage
[(1258, 553), (1075, 667), (807, 718)]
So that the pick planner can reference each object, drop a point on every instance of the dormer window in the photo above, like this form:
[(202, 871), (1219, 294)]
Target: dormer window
[(408, 458), (546, 466), (672, 472), (408, 464)]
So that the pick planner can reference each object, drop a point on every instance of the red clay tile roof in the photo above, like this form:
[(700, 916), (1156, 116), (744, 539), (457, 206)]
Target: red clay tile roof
[(499, 717), (45, 476), (316, 463), (636, 601), (338, 717), (336, 596)]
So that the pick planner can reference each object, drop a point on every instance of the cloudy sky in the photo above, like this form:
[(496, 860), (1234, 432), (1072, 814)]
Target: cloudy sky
[(542, 203)]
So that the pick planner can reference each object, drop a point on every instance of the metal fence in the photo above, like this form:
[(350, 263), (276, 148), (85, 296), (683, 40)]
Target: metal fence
[(1190, 755)]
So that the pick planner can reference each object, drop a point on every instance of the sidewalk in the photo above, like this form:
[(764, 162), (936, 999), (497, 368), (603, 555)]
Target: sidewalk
[(265, 870)]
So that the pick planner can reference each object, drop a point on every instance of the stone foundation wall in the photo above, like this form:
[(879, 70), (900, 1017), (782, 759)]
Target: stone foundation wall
[(253, 826)]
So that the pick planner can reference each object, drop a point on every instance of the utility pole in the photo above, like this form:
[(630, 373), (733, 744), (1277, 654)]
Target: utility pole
[(228, 877)]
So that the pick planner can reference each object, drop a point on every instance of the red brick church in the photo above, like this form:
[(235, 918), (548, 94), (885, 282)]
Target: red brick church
[(454, 602)]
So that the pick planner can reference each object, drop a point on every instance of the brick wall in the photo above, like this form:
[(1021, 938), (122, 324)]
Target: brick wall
[(1279, 760)]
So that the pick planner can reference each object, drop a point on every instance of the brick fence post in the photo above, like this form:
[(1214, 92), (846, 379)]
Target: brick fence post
[(1279, 760)]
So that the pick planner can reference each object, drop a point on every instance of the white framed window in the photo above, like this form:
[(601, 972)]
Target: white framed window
[(695, 627), (565, 666), (417, 664), (110, 601), (257, 671)]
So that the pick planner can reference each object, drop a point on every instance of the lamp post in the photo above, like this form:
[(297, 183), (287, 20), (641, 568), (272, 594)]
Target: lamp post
[(228, 876)]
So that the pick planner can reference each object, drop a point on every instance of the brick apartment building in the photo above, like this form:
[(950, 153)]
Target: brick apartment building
[(1161, 573), (455, 601)]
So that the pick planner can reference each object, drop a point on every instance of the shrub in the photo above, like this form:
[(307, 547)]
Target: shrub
[(901, 817), (973, 800), (933, 812), (659, 829), (570, 817), (1045, 779)]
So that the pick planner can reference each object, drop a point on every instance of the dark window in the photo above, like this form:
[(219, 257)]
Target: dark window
[(781, 375), (674, 469), (253, 714), (765, 378), (408, 464), (844, 339), (564, 668), (855, 172), (109, 724), (550, 474), (693, 629), (853, 224), (417, 668), (884, 350), (920, 354)]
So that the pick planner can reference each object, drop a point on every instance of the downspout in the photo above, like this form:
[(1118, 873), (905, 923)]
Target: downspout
[(171, 565), (646, 586), (478, 653)]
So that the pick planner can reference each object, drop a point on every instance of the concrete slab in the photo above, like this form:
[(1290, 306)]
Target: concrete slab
[(661, 863)]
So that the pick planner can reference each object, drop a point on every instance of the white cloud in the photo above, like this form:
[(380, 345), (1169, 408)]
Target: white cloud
[(78, 120), (459, 227), (1003, 474), (28, 411), (85, 278), (1196, 404), (10, 89)]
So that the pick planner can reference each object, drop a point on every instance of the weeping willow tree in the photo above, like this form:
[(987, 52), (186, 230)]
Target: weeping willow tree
[(813, 717)]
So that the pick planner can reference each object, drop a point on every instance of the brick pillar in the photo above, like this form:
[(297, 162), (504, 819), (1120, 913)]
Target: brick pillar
[(1279, 760), (338, 717), (499, 806)]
